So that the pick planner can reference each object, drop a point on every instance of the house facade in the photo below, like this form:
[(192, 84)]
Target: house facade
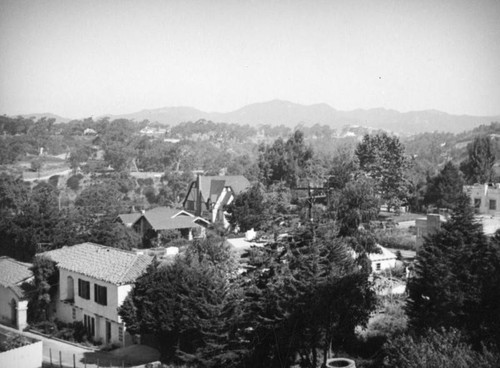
[(485, 198), (207, 196), (94, 280), (13, 304)]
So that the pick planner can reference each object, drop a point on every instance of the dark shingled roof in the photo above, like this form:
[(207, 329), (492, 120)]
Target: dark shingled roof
[(128, 219), (211, 186), (166, 218), (112, 265)]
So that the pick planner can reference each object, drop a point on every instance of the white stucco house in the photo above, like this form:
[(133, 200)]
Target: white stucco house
[(382, 261), (13, 304), (94, 280), (485, 198)]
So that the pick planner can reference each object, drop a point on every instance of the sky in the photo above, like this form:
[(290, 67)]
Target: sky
[(88, 58)]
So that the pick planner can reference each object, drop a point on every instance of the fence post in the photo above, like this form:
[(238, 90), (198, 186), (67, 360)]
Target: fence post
[(50, 353), (97, 363), (74, 361), (60, 359)]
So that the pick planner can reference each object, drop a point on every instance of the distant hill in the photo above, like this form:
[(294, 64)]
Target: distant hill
[(290, 114), (59, 119)]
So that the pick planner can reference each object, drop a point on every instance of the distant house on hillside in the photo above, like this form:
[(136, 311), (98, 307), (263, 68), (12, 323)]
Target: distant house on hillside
[(94, 280), (164, 218), (211, 193), (384, 260), (13, 304)]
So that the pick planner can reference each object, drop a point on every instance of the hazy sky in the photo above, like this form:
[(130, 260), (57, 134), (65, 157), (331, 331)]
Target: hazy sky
[(84, 58)]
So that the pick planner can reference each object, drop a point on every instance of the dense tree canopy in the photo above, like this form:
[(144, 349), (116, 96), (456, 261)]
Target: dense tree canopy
[(445, 189), (457, 279), (478, 167), (383, 158)]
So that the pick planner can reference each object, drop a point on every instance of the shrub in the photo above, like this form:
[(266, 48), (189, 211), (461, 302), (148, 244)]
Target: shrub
[(73, 182), (145, 182), (13, 341), (436, 349), (46, 327), (54, 180), (396, 238)]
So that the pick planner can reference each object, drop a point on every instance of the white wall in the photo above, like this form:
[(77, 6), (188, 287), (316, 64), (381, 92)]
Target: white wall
[(109, 311), (29, 356), (71, 312)]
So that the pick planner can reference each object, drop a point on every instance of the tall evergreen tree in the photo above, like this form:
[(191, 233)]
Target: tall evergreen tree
[(188, 305), (478, 167), (302, 295), (456, 275), (383, 158), (444, 189)]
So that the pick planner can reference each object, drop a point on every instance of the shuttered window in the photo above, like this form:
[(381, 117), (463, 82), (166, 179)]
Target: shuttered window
[(100, 294)]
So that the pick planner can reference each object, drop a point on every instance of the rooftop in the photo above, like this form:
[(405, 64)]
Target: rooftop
[(165, 218), (211, 186), (13, 272), (112, 265)]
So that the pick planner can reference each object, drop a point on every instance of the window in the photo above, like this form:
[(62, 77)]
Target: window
[(477, 202), (100, 294), (70, 294), (120, 333), (83, 289), (377, 266), (493, 204), (73, 314), (89, 323)]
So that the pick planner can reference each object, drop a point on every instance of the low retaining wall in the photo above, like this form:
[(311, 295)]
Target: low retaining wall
[(29, 356)]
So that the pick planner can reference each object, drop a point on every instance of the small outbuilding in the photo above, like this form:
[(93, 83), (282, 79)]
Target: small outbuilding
[(13, 303)]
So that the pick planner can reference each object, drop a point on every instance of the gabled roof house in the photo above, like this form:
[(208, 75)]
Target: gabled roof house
[(209, 194), (166, 218), (13, 305), (94, 280)]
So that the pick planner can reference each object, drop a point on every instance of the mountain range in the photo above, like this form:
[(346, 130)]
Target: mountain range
[(291, 114)]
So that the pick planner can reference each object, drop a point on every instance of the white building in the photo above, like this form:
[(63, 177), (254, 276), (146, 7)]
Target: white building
[(485, 198), (13, 304), (382, 261), (94, 280)]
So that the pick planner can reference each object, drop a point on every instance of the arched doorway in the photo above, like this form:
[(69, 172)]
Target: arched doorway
[(13, 311)]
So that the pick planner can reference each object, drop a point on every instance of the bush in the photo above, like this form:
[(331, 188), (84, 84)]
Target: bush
[(396, 238), (73, 182), (46, 327), (145, 182), (13, 341), (436, 349), (54, 180)]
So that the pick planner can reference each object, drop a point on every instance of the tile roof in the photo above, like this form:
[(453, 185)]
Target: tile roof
[(13, 272), (112, 265)]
